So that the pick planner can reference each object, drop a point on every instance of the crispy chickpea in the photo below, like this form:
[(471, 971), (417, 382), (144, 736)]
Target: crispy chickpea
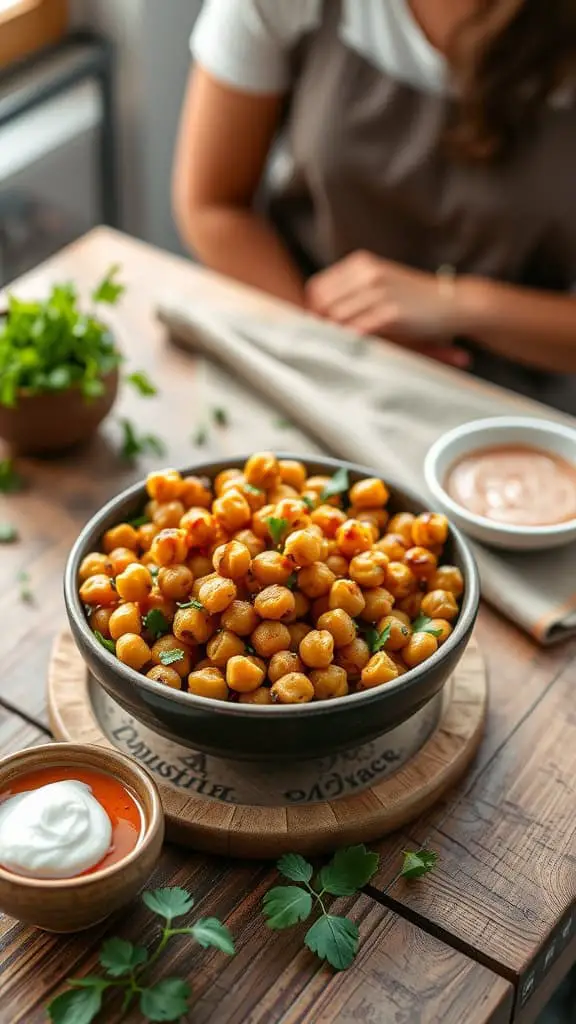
[(135, 583), (146, 534), (317, 648), (328, 518), (244, 674), (275, 602), (216, 594), (447, 577), (199, 526), (150, 508), (347, 595), (168, 515), (297, 631), (270, 637), (301, 605), (282, 663), (260, 696), (121, 558), (240, 618), (320, 606), (368, 569), (338, 565), (283, 492), (392, 544), (175, 581), (165, 675), (400, 580), (316, 580), (397, 659), (262, 470), (232, 560), (208, 682), (421, 561), (353, 537), (329, 682), (410, 604), (317, 485), (164, 485), (204, 663), (255, 497), (133, 651), (271, 567), (199, 565), (294, 688), (98, 590), (399, 632), (403, 617), (170, 547), (122, 536), (168, 644), (378, 602), (157, 600), (125, 619), (369, 493), (439, 604), (420, 647), (99, 620), (353, 657), (304, 547), (429, 529), (223, 646), (292, 473), (339, 625), (377, 517), (146, 559), (224, 478), (249, 539), (195, 491), (310, 498), (401, 524), (192, 625), (260, 522), (442, 629), (232, 510), (379, 670), (95, 564), (294, 511)]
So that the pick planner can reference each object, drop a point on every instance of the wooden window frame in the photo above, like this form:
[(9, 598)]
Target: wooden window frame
[(29, 26)]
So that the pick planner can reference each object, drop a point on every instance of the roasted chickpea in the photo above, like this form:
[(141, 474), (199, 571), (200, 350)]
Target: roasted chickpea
[(271, 567), (368, 569), (329, 519), (316, 580), (168, 515), (216, 594), (297, 631), (311, 499), (400, 580), (447, 577), (199, 565), (317, 485), (146, 534), (429, 529), (133, 651), (98, 590), (157, 600), (122, 536), (95, 564), (292, 473), (275, 602), (240, 618), (317, 648), (353, 657), (301, 604), (195, 492), (99, 620), (401, 524), (441, 629), (260, 696), (294, 511), (192, 625), (338, 565), (329, 682), (378, 602), (255, 497), (397, 659), (439, 604), (232, 510), (421, 562), (254, 544), (121, 558), (379, 670), (377, 517), (225, 477), (353, 537), (223, 646), (199, 526), (125, 619), (420, 647), (320, 606), (347, 595), (165, 675), (135, 583), (403, 616), (208, 682), (339, 624), (294, 688), (170, 547), (260, 519), (369, 493), (304, 547), (282, 663), (172, 645), (164, 485), (392, 544), (244, 674), (232, 560), (410, 605), (262, 470), (283, 492), (175, 582), (399, 632), (270, 637)]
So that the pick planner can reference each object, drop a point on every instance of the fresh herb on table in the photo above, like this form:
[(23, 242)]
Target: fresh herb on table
[(418, 864), (200, 437), (10, 479), (26, 594), (126, 968), (192, 603), (339, 484), (169, 657), (281, 423), (8, 533), (141, 383), (423, 624), (108, 644), (156, 623), (134, 445), (277, 529), (220, 417), (109, 290), (377, 640)]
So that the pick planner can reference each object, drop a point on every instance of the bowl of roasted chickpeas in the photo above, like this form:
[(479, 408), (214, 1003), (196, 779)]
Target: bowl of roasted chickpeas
[(270, 607)]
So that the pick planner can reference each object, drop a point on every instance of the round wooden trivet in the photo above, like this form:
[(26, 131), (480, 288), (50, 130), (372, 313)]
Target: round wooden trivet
[(242, 830)]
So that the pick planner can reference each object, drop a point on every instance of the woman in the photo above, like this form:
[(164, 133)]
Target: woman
[(424, 187)]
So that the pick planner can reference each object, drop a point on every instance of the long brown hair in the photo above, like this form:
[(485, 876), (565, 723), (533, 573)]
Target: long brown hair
[(508, 59)]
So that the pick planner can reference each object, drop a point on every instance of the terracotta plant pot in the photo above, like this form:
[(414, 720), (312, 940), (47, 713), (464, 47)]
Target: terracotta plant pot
[(47, 423)]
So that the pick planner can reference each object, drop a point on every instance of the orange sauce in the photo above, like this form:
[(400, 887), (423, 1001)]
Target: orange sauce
[(120, 805)]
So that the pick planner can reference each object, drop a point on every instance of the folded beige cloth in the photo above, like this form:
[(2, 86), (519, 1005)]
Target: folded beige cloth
[(376, 404)]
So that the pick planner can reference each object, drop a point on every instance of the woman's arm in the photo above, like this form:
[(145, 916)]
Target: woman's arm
[(224, 140)]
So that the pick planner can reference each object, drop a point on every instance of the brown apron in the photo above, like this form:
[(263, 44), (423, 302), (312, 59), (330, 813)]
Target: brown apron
[(369, 170)]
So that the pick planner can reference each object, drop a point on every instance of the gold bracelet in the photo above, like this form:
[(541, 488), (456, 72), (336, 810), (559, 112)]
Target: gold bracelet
[(446, 277)]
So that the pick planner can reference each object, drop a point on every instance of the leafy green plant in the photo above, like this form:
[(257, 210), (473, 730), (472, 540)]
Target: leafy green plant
[(134, 444), (126, 968)]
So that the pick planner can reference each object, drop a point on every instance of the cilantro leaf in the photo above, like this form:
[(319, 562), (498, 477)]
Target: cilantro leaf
[(170, 657), (108, 644), (26, 593), (134, 445), (375, 640), (77, 1005), (10, 479), (339, 484), (119, 957), (309, 502), (285, 905), (282, 423), (348, 871), (251, 489), (200, 438), (209, 931), (109, 290), (141, 383), (8, 533), (291, 581), (220, 417), (295, 867), (192, 603), (169, 903), (417, 864), (422, 624), (334, 939), (277, 528), (168, 1000), (138, 521), (156, 623)]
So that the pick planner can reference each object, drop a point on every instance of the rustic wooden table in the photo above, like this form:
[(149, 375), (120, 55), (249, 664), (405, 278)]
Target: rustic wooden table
[(484, 939)]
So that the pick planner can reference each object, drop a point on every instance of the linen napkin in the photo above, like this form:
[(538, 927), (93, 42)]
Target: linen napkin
[(379, 405)]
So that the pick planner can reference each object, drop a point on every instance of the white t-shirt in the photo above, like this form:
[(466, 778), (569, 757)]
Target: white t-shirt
[(245, 43)]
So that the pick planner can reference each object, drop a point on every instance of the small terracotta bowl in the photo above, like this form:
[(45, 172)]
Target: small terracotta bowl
[(73, 904)]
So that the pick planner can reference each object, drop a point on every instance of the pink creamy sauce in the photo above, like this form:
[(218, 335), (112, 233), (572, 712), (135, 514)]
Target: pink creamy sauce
[(516, 485)]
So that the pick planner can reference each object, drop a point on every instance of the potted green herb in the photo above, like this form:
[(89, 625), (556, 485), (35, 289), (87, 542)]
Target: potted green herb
[(58, 368)]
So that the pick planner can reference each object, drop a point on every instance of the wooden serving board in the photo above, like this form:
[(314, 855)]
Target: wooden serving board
[(262, 831)]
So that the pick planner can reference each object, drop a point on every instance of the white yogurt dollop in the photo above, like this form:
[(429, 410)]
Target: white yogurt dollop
[(56, 831)]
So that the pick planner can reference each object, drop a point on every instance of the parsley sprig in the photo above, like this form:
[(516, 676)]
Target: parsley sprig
[(339, 484), (134, 445), (126, 967), (377, 640), (423, 624), (142, 384), (277, 529), (8, 533)]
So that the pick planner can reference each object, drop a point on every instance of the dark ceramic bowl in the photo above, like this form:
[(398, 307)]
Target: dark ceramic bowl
[(249, 732)]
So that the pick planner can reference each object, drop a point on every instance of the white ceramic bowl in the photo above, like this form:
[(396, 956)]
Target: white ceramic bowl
[(488, 433)]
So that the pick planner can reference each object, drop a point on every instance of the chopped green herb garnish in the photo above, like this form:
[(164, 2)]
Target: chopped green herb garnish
[(169, 657), (339, 484), (282, 423), (10, 479), (423, 624), (156, 623), (200, 438), (134, 445), (251, 489), (109, 290), (8, 533), (375, 640), (292, 581), (192, 603), (138, 521), (108, 644), (26, 594), (220, 417), (141, 382), (309, 502), (277, 529)]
